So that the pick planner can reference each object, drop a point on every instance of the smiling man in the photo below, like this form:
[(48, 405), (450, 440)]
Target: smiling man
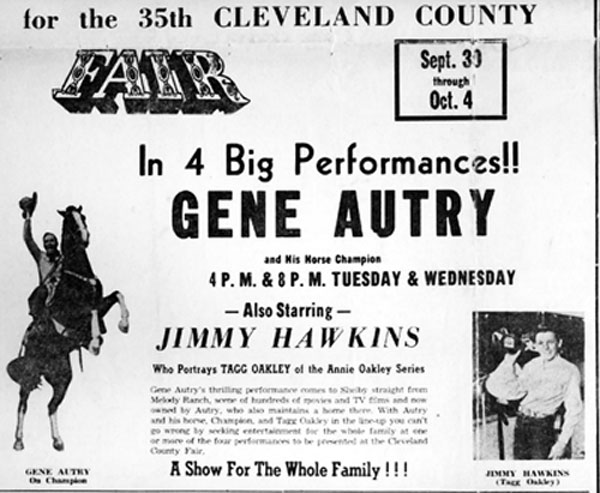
[(545, 386)]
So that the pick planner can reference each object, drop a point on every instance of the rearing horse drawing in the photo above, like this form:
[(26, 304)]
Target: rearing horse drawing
[(72, 319)]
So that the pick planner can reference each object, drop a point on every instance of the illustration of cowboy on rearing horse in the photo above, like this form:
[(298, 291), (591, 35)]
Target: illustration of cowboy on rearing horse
[(68, 312), (67, 307)]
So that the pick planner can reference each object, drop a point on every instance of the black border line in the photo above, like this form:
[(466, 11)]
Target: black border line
[(596, 253), (278, 490), (421, 118)]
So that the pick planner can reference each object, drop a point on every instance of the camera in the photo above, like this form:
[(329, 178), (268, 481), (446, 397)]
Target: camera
[(508, 341)]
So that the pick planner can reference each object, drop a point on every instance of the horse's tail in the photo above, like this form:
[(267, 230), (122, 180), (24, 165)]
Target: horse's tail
[(24, 371)]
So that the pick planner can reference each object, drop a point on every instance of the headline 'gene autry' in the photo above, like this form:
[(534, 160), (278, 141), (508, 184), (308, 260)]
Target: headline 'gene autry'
[(379, 214)]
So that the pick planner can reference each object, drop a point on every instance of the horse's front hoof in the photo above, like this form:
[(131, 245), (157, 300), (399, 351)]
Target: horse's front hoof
[(18, 444), (124, 325), (58, 444), (94, 347)]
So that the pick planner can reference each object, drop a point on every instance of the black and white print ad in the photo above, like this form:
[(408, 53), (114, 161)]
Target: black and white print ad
[(317, 246)]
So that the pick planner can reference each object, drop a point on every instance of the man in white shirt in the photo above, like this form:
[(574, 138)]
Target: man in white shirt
[(544, 385)]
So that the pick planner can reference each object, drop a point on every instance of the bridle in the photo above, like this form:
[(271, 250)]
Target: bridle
[(84, 237), (84, 234), (90, 280)]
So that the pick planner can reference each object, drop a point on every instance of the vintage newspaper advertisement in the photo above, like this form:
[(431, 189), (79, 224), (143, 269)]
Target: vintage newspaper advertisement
[(318, 245)]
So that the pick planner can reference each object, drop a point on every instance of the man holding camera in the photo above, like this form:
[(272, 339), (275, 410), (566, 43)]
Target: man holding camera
[(544, 385)]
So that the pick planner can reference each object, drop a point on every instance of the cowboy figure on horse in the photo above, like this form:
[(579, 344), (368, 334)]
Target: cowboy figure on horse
[(67, 307), (60, 305), (49, 262)]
